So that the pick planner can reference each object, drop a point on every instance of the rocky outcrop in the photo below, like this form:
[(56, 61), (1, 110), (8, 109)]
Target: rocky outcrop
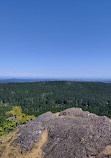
[(72, 133)]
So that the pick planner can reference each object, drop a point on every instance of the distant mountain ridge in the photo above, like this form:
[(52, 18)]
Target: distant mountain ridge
[(17, 80), (14, 80)]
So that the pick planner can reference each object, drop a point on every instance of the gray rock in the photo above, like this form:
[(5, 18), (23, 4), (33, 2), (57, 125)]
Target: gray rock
[(83, 135)]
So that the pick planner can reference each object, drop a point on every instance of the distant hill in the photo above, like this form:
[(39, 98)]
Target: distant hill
[(16, 80)]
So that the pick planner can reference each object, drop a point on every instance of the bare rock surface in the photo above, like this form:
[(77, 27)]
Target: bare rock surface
[(72, 134), (29, 134)]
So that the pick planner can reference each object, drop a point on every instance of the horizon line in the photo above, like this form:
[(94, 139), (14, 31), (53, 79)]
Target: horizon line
[(60, 78)]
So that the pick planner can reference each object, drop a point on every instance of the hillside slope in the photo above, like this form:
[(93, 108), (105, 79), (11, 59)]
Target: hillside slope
[(71, 133), (40, 97)]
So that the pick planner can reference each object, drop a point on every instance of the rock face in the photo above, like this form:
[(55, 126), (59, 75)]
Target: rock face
[(71, 134)]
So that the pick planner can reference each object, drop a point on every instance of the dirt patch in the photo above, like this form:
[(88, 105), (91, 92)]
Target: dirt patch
[(107, 150)]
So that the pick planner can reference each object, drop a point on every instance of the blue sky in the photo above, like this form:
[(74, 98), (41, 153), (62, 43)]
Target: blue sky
[(55, 38)]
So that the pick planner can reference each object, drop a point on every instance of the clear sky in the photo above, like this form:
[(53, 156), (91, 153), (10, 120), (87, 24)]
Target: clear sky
[(55, 38)]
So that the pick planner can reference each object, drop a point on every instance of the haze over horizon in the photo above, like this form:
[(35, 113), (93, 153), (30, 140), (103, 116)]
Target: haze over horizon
[(55, 39)]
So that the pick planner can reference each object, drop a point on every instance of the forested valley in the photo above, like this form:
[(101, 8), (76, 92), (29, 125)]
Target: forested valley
[(20, 102), (39, 97)]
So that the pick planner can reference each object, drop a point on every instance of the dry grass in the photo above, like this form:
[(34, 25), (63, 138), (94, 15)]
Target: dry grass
[(57, 113), (7, 139), (67, 116), (13, 152), (37, 150), (107, 150)]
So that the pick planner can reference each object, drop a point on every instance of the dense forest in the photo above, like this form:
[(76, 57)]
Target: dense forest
[(39, 97)]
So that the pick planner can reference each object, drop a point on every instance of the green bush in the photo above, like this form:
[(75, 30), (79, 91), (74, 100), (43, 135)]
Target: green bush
[(1, 131), (10, 119), (9, 126)]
